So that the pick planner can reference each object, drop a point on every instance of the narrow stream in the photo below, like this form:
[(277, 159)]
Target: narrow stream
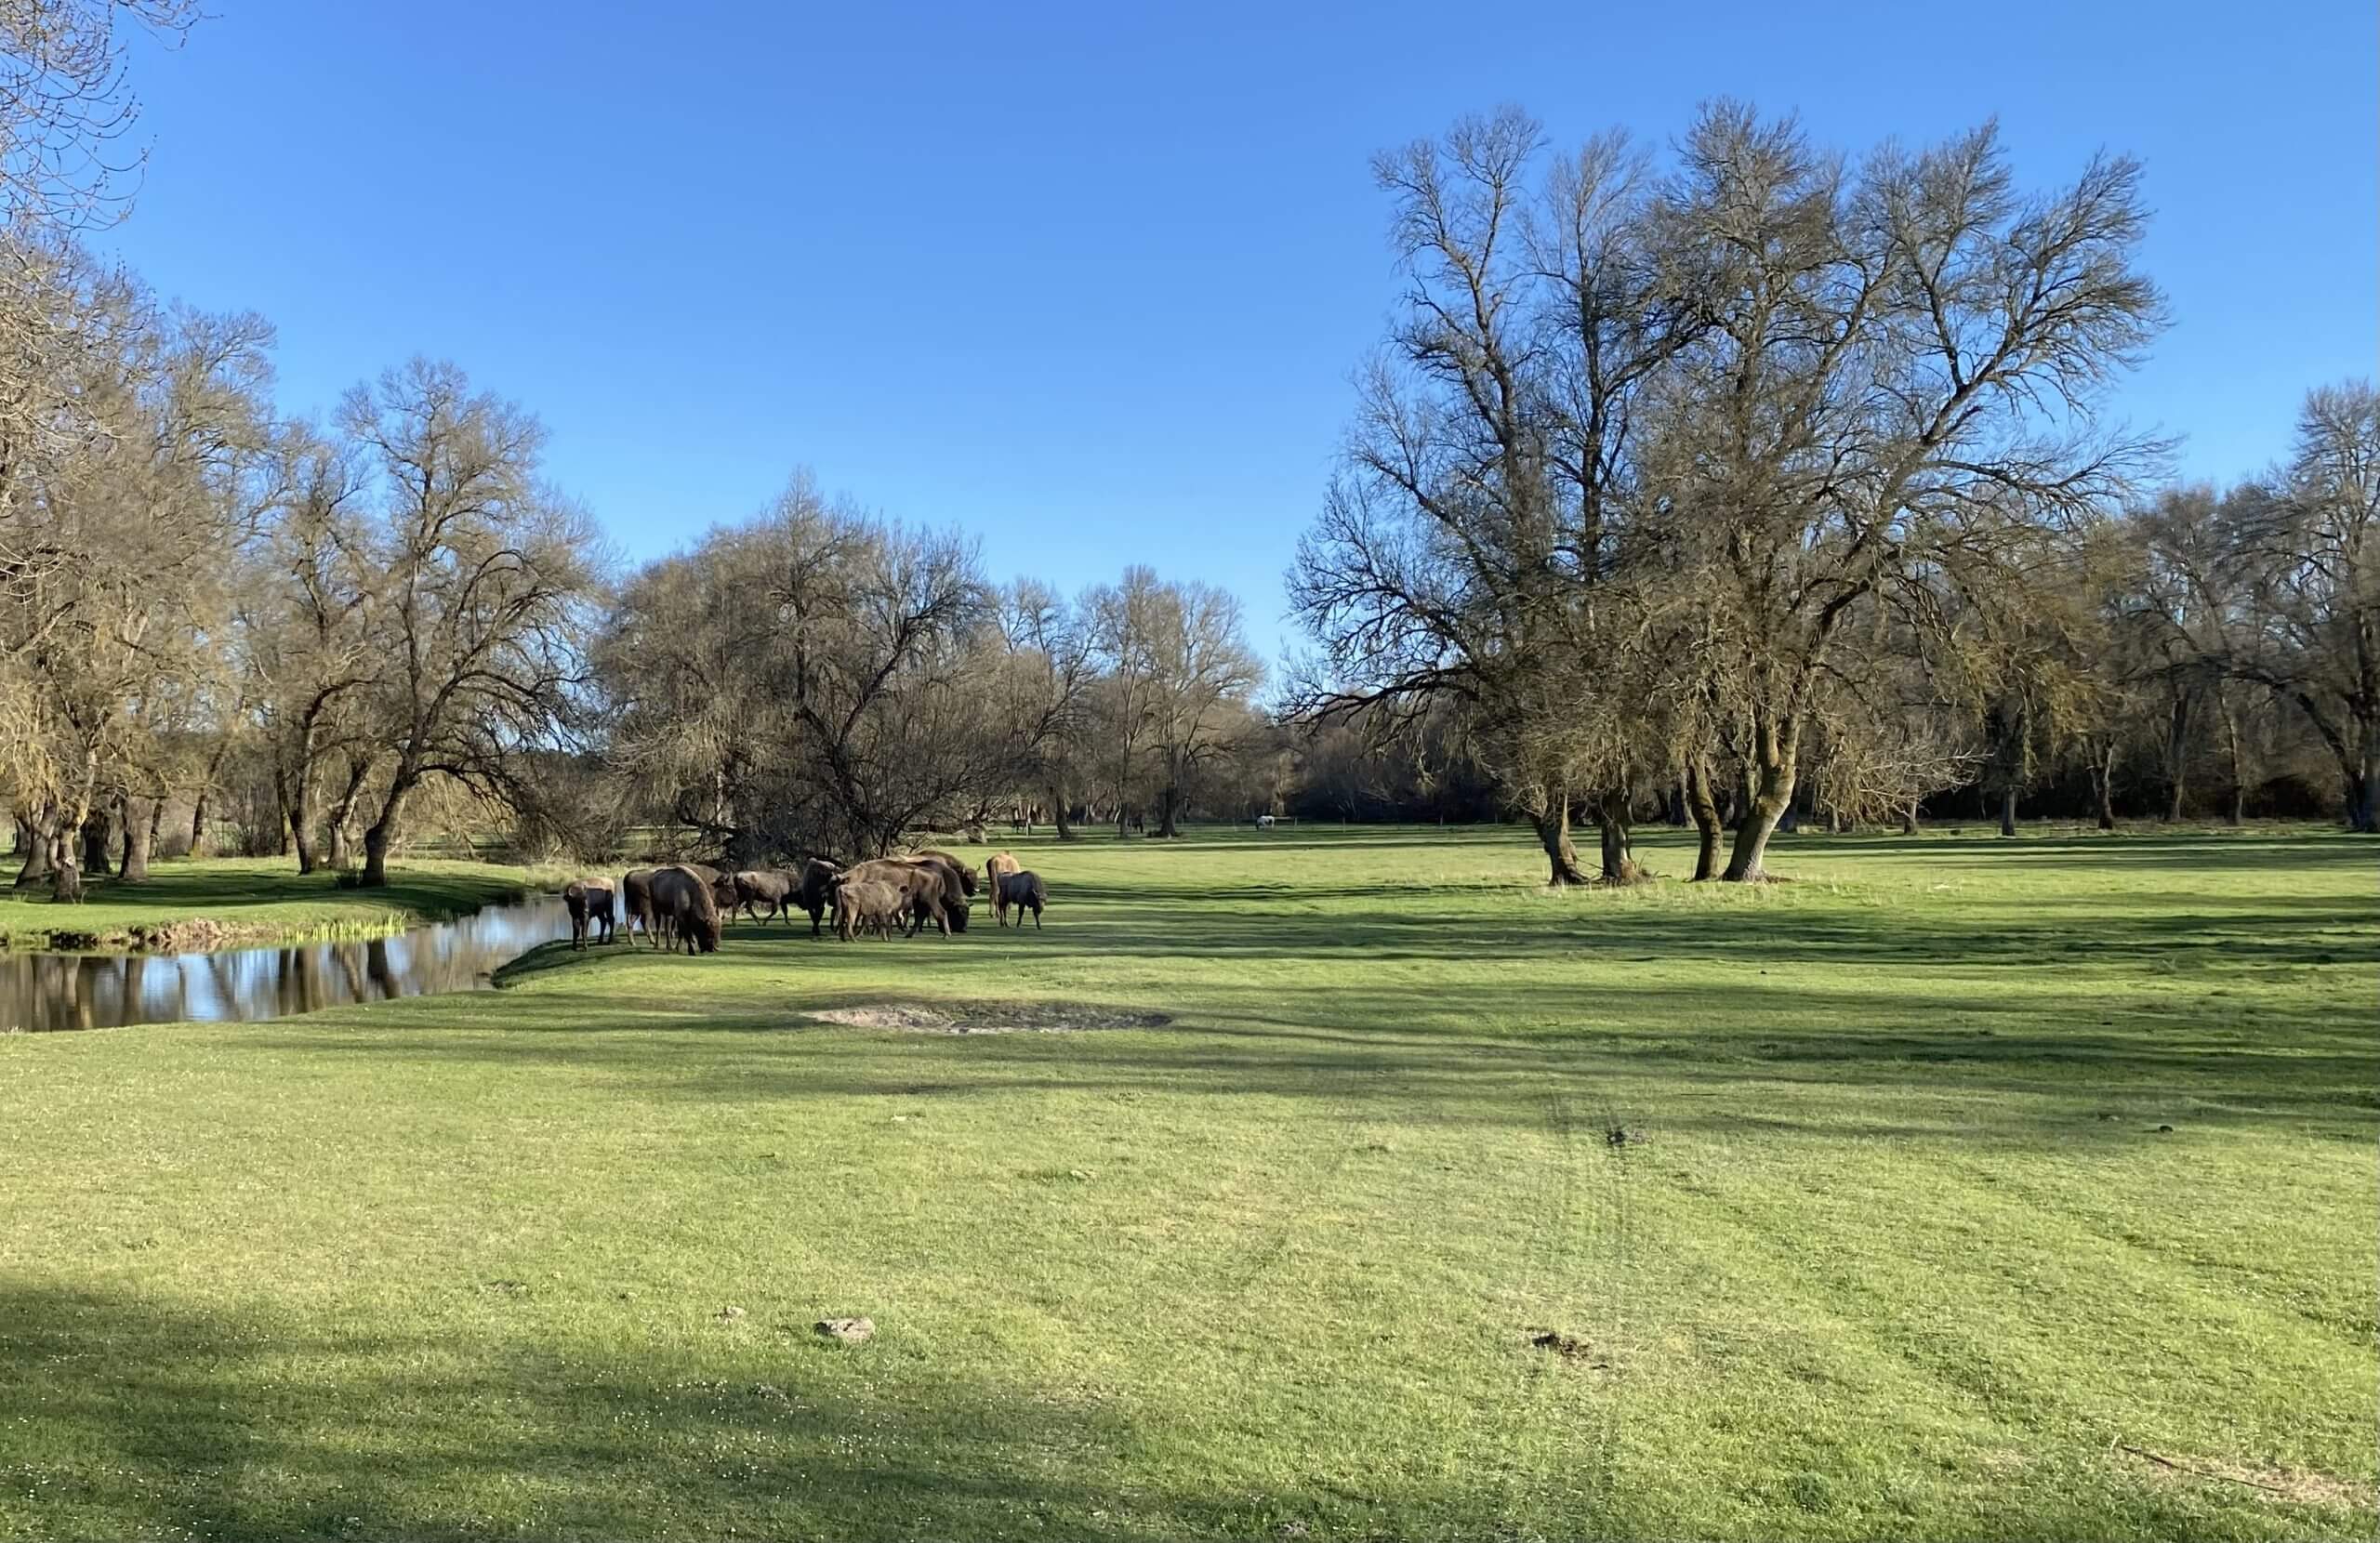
[(41, 993)]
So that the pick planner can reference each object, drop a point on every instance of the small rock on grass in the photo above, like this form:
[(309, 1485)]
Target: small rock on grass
[(729, 1315), (850, 1331)]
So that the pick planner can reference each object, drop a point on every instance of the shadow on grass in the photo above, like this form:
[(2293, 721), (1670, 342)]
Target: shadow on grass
[(200, 888), (1968, 1067), (131, 1418)]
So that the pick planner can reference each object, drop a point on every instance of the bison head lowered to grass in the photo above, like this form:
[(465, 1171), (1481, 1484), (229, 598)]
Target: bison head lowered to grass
[(682, 903)]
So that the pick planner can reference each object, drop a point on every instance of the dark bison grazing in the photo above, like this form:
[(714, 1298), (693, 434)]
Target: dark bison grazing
[(966, 874), (681, 900), (867, 906), (1023, 890), (815, 890), (925, 886), (588, 900), (756, 886)]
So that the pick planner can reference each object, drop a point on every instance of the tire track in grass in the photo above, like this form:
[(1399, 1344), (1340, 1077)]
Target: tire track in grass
[(1568, 1464)]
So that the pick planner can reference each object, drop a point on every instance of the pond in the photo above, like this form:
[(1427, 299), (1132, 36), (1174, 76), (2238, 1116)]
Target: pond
[(40, 993)]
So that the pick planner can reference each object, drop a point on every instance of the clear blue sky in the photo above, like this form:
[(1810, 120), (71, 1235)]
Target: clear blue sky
[(1090, 281)]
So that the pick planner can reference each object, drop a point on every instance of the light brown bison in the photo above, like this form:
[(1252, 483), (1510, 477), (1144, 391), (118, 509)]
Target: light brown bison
[(995, 867), (681, 898), (966, 874), (756, 886), (588, 900), (1023, 890), (815, 893), (925, 886), (867, 906)]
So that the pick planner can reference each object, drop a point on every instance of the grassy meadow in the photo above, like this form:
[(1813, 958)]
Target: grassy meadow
[(1961, 1188)]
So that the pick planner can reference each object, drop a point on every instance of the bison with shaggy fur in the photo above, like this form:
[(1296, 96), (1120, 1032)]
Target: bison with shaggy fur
[(636, 904), (867, 906), (1023, 890), (997, 868), (925, 886), (681, 898), (815, 890), (966, 874), (756, 886), (588, 902)]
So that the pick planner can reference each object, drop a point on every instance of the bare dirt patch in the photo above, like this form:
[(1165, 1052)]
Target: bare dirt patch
[(989, 1016)]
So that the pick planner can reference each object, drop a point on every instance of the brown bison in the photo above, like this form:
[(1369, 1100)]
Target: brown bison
[(680, 899), (995, 867), (588, 900), (1023, 890), (815, 893), (966, 874), (756, 886), (636, 903), (926, 887), (867, 906)]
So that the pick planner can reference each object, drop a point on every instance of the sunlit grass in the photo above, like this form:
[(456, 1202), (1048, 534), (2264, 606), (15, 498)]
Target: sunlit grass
[(1897, 1248)]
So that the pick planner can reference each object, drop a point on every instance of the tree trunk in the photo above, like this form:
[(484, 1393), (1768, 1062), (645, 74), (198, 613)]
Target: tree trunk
[(2177, 749), (1675, 798), (342, 824), (2236, 807), (298, 798), (1169, 803), (1553, 834), (1705, 811), (2008, 808), (37, 853), (1909, 819), (1611, 826), (1766, 804), (2103, 779), (139, 830), (2364, 799), (384, 831), (65, 880), (96, 841), (199, 797), (25, 835), (1059, 812)]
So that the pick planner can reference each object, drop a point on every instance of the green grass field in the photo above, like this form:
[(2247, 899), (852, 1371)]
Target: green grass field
[(255, 898), (1904, 1250)]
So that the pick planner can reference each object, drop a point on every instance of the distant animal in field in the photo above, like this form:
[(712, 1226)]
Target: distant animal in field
[(1023, 890), (756, 886), (1263, 822), (816, 891), (681, 900), (865, 905), (966, 874), (590, 902), (927, 887)]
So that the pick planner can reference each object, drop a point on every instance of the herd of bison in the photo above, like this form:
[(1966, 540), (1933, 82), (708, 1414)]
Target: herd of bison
[(685, 902)]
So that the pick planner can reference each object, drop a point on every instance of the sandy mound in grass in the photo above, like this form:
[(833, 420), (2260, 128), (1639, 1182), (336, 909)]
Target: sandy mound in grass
[(990, 1017)]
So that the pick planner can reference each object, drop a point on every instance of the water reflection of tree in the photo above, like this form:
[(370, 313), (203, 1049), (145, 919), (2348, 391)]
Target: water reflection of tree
[(54, 992)]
